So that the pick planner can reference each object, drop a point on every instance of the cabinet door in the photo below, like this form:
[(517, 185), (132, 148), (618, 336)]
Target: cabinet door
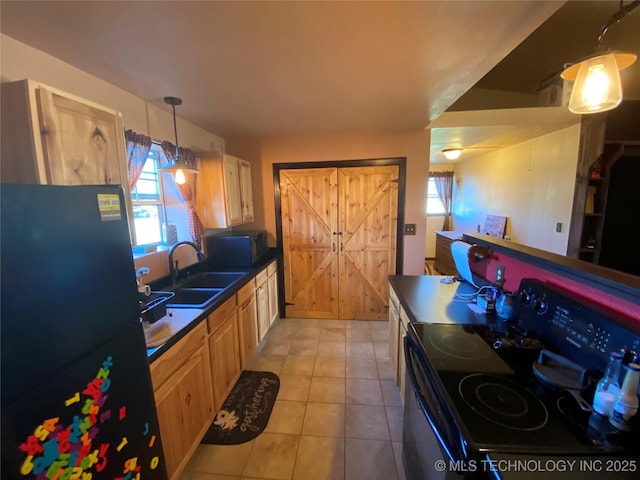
[(262, 304), (232, 190), (225, 359), (394, 326), (185, 410), (272, 283), (402, 364), (246, 191), (83, 144), (247, 319)]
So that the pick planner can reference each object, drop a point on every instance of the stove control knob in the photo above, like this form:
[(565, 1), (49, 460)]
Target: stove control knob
[(540, 307), (525, 297)]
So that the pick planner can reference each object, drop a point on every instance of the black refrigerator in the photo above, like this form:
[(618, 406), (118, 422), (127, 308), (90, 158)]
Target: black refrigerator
[(77, 399)]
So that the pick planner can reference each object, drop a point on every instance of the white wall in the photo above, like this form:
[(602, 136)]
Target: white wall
[(20, 61), (532, 183)]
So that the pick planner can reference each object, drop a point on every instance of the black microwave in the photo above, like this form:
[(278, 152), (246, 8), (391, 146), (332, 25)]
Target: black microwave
[(243, 248)]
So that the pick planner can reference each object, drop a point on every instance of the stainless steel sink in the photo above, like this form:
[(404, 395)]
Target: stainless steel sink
[(194, 297), (213, 279)]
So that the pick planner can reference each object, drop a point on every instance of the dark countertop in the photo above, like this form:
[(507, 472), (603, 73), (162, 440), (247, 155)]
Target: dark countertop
[(426, 299), (161, 285)]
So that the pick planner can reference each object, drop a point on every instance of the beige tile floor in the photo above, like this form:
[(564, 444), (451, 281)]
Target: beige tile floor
[(338, 414)]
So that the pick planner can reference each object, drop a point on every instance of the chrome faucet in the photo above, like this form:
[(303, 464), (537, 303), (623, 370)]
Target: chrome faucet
[(173, 267)]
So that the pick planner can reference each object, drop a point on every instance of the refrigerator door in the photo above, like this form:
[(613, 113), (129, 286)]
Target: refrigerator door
[(68, 279), (95, 419)]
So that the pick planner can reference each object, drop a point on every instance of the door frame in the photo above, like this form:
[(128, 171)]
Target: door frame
[(401, 162)]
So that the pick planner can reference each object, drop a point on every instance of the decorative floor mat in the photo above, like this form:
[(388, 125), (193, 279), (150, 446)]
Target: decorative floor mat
[(245, 412)]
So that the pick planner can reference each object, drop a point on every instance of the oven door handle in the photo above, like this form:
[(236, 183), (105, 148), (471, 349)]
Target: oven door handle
[(409, 346)]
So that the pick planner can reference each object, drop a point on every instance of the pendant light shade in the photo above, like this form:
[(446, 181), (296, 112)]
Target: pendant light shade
[(597, 86), (177, 164), (452, 153)]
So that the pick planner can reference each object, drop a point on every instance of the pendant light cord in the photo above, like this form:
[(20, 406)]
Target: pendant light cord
[(615, 18)]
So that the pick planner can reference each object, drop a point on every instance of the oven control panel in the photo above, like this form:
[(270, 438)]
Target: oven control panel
[(573, 326), (579, 332)]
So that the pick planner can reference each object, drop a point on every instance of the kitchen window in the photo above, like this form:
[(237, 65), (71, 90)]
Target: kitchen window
[(148, 200), (434, 204)]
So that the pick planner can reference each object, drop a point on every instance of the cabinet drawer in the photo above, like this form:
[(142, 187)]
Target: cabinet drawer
[(261, 277), (272, 268), (171, 360), (245, 292), (220, 314)]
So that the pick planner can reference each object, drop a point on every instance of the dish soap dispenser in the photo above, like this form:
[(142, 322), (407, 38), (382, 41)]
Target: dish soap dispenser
[(626, 404), (608, 386)]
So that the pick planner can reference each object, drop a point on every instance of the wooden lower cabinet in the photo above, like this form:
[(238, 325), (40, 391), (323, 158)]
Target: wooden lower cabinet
[(247, 320), (272, 284), (182, 389), (394, 329), (224, 350), (262, 304)]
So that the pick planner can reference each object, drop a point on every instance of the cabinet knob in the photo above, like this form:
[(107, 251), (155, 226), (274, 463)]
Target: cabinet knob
[(188, 399)]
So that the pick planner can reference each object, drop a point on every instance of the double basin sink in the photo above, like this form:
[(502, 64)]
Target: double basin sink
[(202, 289), (196, 294)]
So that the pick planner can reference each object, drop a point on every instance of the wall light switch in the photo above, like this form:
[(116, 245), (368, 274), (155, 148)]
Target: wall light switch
[(558, 227), (409, 228)]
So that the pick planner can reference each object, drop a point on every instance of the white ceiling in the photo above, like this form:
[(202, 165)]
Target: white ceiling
[(282, 68), (286, 68)]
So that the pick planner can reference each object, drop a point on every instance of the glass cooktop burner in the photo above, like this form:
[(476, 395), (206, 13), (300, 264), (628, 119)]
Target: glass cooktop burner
[(503, 402), (459, 345)]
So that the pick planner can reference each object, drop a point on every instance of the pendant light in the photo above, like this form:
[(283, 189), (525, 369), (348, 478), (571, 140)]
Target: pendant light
[(597, 86), (177, 164)]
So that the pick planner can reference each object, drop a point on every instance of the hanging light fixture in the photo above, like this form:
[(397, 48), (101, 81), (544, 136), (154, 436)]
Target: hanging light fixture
[(452, 153), (177, 164), (597, 86)]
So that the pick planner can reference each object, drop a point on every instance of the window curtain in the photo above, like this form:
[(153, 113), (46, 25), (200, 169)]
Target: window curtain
[(138, 147), (196, 229), (444, 186)]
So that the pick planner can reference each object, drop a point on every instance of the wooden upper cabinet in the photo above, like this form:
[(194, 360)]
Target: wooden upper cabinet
[(223, 191), (246, 190), (52, 137)]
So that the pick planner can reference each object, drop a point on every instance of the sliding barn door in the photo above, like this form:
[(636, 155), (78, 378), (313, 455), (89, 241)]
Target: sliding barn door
[(309, 200), (367, 222), (339, 240)]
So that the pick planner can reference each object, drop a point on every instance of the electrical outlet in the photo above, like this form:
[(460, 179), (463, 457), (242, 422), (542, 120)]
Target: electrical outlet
[(500, 273), (409, 228)]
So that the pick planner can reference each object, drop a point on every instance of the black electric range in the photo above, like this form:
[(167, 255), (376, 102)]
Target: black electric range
[(475, 386)]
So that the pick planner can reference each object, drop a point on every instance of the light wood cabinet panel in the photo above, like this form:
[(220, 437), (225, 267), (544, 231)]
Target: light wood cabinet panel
[(52, 137), (224, 351), (394, 331), (246, 191), (262, 306), (247, 319), (224, 195), (272, 283), (233, 190), (183, 401), (402, 364)]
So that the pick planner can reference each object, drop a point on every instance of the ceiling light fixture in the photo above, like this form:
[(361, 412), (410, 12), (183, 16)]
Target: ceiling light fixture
[(597, 86), (177, 164), (452, 153)]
